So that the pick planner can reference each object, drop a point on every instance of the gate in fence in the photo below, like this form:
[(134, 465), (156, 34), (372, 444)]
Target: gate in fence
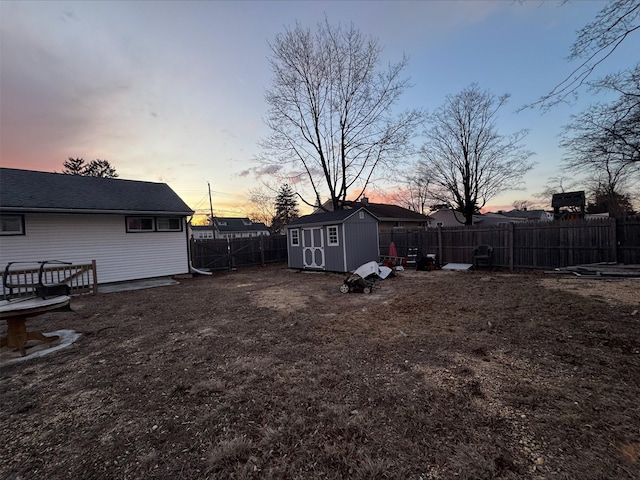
[(225, 254)]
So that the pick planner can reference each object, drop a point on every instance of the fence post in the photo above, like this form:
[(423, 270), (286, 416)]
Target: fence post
[(440, 244), (614, 239), (262, 250), (94, 269), (510, 243)]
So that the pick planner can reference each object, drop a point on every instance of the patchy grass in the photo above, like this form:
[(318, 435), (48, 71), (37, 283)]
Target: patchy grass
[(270, 373)]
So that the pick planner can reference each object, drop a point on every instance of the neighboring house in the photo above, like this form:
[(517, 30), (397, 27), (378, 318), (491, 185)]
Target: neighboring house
[(132, 229), (390, 217), (230, 228), (496, 219), (447, 217), (338, 241), (530, 215)]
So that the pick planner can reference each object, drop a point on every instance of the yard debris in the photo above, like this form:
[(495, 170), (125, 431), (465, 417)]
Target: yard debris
[(601, 270), (364, 278)]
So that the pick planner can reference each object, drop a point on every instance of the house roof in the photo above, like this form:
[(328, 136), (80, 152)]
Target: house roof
[(31, 191), (235, 224), (327, 217), (387, 212)]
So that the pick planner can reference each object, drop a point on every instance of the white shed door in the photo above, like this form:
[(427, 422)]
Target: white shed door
[(312, 248)]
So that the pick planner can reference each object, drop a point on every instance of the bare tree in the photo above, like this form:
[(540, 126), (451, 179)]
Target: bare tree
[(414, 193), (262, 204), (603, 142), (330, 110), (467, 160), (594, 43), (558, 184)]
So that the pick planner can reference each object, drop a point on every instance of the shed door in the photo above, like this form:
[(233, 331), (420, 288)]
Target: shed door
[(312, 248)]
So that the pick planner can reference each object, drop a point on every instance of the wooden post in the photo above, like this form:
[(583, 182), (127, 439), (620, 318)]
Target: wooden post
[(614, 239), (440, 259), (510, 243), (94, 269), (262, 250)]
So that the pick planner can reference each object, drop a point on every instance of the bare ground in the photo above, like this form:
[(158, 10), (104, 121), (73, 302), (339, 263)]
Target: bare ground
[(272, 373)]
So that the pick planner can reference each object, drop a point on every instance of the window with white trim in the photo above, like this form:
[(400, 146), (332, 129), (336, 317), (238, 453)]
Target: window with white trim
[(332, 236), (295, 238), (11, 225)]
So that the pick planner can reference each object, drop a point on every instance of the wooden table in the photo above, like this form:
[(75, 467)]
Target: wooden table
[(18, 310)]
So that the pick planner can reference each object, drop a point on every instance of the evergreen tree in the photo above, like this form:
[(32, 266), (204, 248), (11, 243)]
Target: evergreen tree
[(286, 209), (95, 168)]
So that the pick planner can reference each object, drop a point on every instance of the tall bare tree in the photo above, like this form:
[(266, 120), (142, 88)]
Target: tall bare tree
[(466, 158), (603, 142), (595, 42), (331, 110)]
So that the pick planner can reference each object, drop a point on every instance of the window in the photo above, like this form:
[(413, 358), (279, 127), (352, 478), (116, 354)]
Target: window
[(139, 224), (169, 224), (11, 225), (332, 236), (295, 237)]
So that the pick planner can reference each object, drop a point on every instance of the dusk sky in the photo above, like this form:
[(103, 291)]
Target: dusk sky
[(174, 91)]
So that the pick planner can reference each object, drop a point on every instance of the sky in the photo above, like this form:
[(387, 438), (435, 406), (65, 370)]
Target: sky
[(174, 91)]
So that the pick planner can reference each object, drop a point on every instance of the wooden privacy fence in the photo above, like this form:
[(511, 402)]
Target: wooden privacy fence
[(527, 245), (225, 254), (80, 278)]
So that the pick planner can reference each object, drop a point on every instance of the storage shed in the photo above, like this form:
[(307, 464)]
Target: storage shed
[(338, 241)]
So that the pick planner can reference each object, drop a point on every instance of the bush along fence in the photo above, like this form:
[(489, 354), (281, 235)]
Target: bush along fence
[(226, 254), (531, 245)]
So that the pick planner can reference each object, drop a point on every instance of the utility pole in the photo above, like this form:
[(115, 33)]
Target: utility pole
[(213, 222)]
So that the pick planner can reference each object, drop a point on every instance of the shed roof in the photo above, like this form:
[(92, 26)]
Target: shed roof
[(27, 190), (324, 218)]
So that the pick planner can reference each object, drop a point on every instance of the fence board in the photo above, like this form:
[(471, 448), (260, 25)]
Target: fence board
[(531, 245)]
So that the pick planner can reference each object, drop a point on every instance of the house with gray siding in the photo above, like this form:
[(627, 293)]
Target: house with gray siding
[(338, 241), (132, 229)]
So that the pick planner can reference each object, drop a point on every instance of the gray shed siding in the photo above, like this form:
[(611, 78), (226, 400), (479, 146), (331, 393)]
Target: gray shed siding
[(360, 247), (357, 242)]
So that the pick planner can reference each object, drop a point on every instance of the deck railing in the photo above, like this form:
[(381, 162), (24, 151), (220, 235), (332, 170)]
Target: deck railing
[(81, 279)]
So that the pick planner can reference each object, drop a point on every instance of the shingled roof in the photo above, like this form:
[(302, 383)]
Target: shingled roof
[(31, 191), (387, 212), (326, 217)]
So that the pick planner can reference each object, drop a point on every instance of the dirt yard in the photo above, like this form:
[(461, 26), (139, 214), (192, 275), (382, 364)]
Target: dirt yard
[(270, 373)]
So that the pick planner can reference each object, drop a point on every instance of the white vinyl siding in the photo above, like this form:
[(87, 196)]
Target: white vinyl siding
[(81, 238)]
